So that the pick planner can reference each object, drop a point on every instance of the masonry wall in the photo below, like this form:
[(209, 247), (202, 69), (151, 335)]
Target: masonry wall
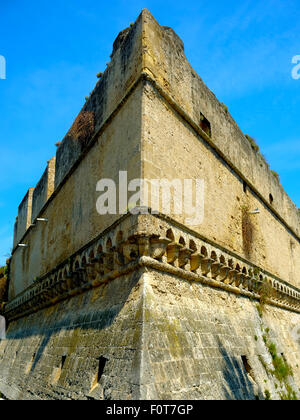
[(104, 139), (72, 216), (259, 238), (194, 339), (163, 338), (24, 215), (166, 64), (54, 354), (158, 53)]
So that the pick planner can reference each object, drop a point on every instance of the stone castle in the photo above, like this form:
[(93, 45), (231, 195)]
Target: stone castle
[(142, 306)]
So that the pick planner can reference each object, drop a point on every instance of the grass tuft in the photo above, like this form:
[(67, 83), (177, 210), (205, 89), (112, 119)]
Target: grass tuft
[(252, 142), (267, 395)]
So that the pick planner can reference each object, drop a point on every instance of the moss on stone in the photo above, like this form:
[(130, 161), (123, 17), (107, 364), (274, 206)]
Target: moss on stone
[(252, 142)]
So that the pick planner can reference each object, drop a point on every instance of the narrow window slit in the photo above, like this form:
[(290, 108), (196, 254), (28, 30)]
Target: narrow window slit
[(101, 367), (248, 368), (246, 364), (205, 125), (63, 361)]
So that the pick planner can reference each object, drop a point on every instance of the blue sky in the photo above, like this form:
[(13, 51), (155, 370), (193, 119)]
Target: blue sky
[(242, 49)]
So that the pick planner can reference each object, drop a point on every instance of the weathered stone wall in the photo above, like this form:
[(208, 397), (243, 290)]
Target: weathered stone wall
[(163, 338), (43, 190), (54, 354), (166, 64), (72, 216), (194, 339), (160, 243), (150, 129), (259, 238)]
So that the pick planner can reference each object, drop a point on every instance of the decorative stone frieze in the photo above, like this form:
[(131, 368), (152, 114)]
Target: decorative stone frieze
[(174, 251)]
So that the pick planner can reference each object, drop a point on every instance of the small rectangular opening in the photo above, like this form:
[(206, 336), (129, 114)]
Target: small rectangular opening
[(58, 370), (205, 125), (63, 361), (246, 364), (248, 368), (101, 367)]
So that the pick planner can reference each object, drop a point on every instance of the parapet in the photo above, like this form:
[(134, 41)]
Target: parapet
[(33, 202), (24, 216), (43, 190)]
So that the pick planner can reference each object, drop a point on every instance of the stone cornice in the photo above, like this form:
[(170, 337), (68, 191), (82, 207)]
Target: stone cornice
[(158, 243)]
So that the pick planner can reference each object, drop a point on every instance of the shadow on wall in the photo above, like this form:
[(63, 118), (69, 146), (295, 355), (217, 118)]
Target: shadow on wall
[(102, 320), (90, 316), (238, 379)]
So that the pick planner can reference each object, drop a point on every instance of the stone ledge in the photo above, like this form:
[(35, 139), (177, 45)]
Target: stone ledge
[(171, 249)]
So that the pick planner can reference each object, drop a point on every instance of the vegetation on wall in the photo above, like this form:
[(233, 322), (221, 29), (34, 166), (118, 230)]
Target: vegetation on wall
[(255, 147), (276, 175), (267, 395), (281, 370), (3, 282), (225, 107)]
